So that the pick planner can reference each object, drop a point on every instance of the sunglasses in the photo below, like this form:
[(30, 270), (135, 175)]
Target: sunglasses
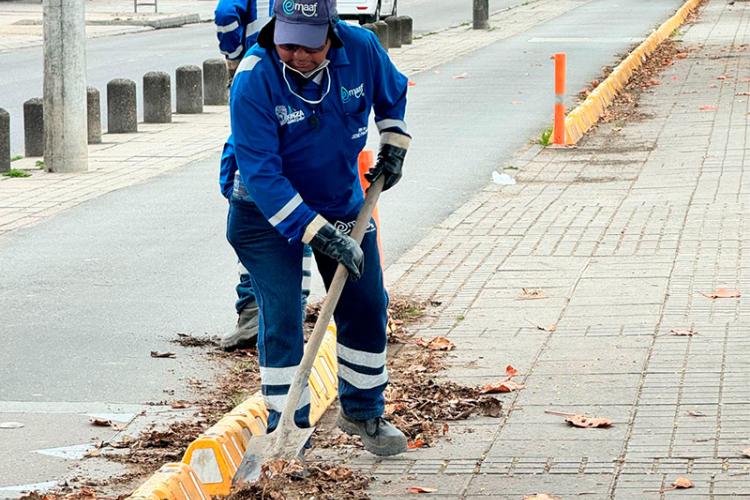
[(290, 47)]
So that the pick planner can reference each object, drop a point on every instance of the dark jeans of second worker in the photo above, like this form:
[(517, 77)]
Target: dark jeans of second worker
[(275, 267)]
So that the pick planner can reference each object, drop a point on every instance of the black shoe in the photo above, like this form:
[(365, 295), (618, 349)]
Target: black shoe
[(245, 334), (379, 436)]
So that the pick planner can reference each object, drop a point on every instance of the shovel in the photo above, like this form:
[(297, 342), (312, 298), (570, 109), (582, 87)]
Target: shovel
[(288, 440)]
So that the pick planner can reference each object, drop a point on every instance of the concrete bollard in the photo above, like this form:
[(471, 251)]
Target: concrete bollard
[(94, 116), (4, 140), (407, 30), (394, 31), (122, 116), (157, 97), (481, 14), (33, 127), (215, 78), (370, 27), (381, 29), (189, 89)]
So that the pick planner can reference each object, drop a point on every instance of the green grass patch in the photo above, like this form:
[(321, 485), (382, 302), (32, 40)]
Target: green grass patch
[(16, 158), (39, 164), (14, 172), (545, 139)]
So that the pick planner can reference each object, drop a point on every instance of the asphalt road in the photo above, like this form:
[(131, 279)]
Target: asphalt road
[(131, 56), (88, 293)]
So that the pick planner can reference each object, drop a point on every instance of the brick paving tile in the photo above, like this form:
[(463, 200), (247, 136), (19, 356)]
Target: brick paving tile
[(623, 233)]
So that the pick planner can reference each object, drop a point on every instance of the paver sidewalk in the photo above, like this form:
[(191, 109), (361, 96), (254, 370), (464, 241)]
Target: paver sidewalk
[(622, 234)]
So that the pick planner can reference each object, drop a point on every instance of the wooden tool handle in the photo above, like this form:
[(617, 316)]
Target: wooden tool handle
[(329, 305)]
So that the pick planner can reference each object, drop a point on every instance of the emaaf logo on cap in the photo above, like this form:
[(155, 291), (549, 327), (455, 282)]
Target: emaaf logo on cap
[(306, 9)]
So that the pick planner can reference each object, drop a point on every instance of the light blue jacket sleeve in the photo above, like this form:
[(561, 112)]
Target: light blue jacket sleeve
[(231, 18), (255, 130), (389, 100)]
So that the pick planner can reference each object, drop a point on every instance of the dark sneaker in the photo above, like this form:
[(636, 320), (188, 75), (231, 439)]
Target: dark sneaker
[(245, 334), (379, 436)]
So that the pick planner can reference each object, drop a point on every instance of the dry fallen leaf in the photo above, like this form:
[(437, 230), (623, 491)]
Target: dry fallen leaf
[(391, 408), (722, 77), (532, 293), (100, 422), (742, 93), (460, 76), (416, 444), (683, 332), (157, 354), (682, 483), (722, 293), (746, 452), (552, 327), (446, 427), (586, 422), (510, 371), (421, 489), (412, 84), (504, 386), (681, 55), (181, 403), (437, 344), (339, 473), (540, 496), (694, 413)]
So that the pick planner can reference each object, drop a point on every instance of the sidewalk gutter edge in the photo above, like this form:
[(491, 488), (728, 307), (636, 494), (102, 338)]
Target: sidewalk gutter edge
[(211, 460), (587, 114)]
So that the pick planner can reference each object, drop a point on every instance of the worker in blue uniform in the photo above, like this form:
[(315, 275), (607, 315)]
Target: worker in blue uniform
[(237, 26), (300, 104)]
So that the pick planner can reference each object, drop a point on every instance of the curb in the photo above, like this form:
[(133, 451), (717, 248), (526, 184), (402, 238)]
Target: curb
[(211, 460), (588, 113), (157, 23)]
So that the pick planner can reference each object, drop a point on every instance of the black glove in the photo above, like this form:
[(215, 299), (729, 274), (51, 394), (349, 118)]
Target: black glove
[(390, 161), (328, 240)]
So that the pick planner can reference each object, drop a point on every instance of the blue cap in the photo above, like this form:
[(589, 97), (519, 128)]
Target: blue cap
[(302, 22)]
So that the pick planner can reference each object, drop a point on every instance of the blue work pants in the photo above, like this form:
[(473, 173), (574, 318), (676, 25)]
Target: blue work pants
[(275, 266)]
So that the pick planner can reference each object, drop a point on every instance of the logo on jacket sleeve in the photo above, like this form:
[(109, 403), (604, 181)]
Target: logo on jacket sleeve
[(355, 93), (287, 115)]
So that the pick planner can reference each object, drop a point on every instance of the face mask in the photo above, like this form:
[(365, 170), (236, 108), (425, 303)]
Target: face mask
[(322, 67)]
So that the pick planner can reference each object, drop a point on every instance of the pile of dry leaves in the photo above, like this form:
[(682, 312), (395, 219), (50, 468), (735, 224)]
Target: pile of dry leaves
[(418, 403), (281, 480)]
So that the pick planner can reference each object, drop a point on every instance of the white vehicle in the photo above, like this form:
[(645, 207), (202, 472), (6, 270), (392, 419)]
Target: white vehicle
[(366, 11)]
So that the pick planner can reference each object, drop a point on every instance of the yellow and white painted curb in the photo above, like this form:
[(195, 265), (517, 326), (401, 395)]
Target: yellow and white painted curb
[(583, 117), (211, 460)]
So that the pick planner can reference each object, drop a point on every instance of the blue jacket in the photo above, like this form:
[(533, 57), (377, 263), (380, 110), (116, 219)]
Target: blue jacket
[(296, 159), (238, 23)]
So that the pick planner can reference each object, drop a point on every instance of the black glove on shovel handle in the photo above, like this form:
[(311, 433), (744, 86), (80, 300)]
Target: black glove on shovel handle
[(340, 247), (287, 440), (390, 160)]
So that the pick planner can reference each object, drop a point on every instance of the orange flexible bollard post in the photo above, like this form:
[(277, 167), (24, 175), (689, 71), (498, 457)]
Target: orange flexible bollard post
[(365, 161), (559, 123)]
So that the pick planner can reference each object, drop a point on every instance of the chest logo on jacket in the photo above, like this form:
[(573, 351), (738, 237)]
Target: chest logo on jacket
[(355, 93), (287, 115)]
